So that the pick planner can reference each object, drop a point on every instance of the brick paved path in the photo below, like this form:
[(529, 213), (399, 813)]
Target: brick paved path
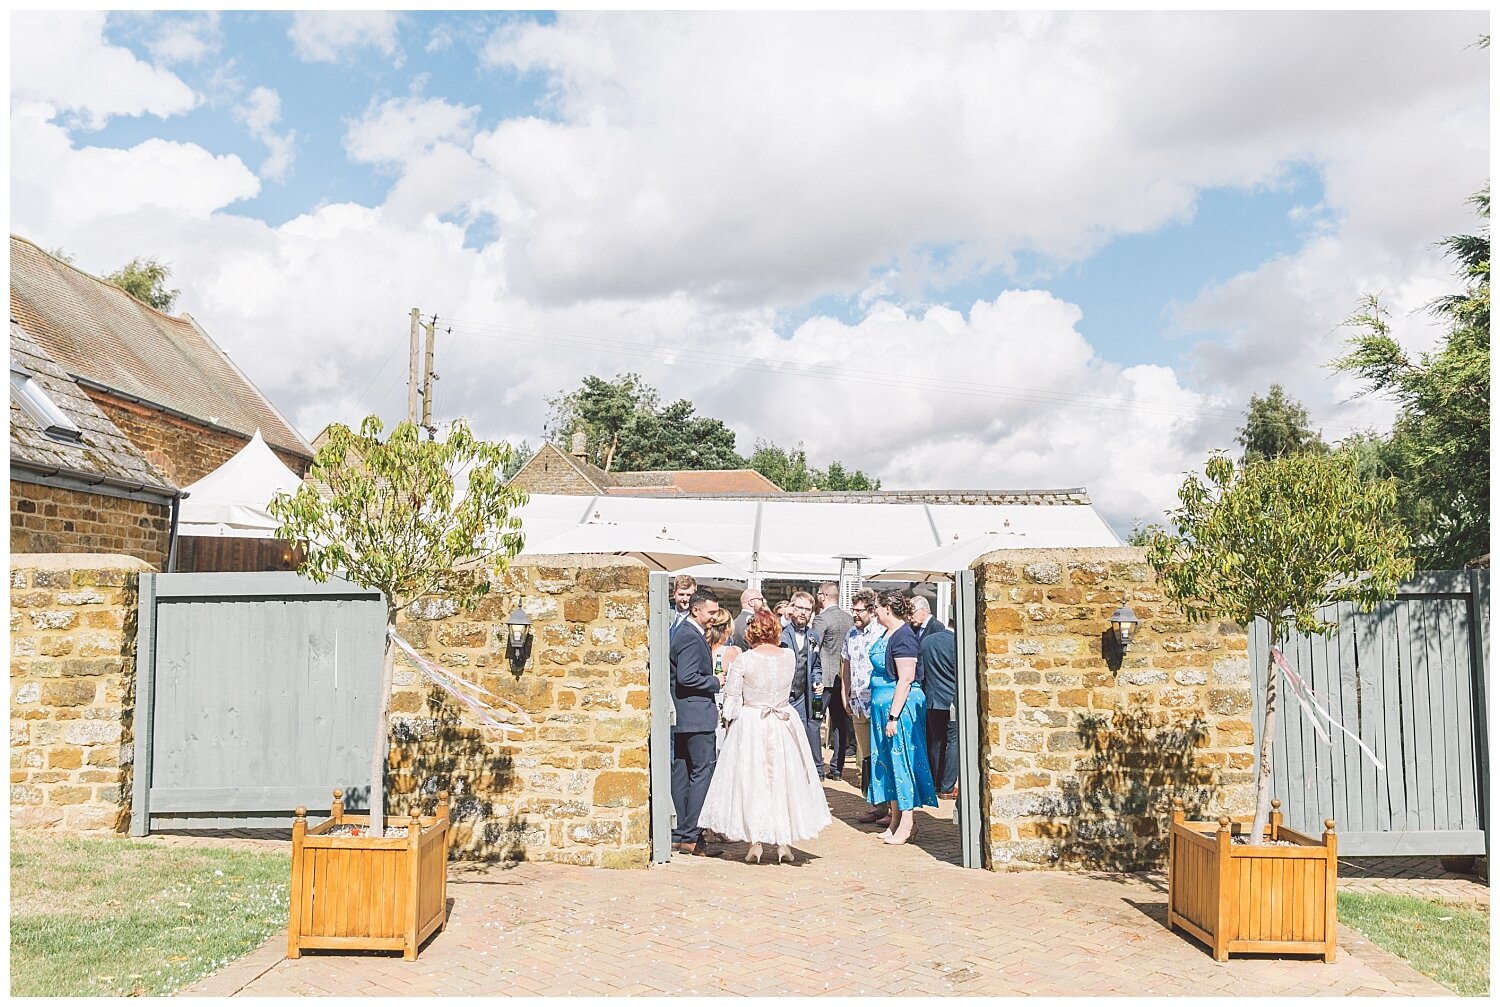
[(852, 917)]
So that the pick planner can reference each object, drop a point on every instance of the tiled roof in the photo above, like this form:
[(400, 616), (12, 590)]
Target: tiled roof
[(97, 331), (692, 482), (102, 450)]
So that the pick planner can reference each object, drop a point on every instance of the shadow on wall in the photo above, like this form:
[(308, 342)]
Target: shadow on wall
[(439, 752), (1135, 762)]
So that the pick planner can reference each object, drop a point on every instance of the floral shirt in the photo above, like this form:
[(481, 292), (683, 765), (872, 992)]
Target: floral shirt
[(857, 652)]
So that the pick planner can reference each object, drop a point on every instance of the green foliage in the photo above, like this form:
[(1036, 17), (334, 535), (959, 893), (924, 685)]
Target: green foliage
[(789, 470), (146, 280), (1279, 538), (519, 456), (1276, 540), (1141, 534), (1438, 449), (1277, 425), (394, 518)]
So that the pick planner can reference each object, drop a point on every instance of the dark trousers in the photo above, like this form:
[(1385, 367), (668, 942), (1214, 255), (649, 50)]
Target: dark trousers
[(692, 767), (942, 748), (840, 727), (814, 741)]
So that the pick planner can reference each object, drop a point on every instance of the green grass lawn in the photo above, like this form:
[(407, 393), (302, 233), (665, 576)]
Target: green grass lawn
[(1446, 943), (112, 916)]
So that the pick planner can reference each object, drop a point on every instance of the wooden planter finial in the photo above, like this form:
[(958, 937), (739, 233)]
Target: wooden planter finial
[(337, 811)]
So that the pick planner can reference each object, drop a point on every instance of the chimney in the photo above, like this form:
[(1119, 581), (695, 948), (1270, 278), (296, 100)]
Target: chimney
[(580, 445)]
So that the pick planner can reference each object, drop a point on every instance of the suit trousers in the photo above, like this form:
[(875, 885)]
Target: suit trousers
[(942, 749), (693, 758), (861, 727), (803, 706), (840, 725)]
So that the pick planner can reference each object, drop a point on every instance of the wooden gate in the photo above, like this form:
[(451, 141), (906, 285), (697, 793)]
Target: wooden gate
[(255, 693), (1409, 679)]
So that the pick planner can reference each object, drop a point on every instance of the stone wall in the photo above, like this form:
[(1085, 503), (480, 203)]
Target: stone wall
[(574, 785), (1082, 752), (72, 635), (548, 472), (180, 449), (48, 519)]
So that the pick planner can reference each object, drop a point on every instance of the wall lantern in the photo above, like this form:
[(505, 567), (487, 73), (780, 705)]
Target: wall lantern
[(1123, 624), (517, 630)]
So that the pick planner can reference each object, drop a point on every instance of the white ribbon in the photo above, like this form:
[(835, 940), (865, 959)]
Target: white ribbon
[(1304, 697), (455, 686)]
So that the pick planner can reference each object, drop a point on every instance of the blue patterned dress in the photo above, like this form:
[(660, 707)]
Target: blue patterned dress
[(899, 770)]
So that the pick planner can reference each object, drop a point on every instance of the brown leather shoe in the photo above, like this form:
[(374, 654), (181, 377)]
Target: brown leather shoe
[(949, 795), (695, 850)]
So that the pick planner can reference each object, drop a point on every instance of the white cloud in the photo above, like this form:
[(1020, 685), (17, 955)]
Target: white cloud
[(62, 60), (186, 39), (330, 36), (701, 177), (260, 113), (400, 129)]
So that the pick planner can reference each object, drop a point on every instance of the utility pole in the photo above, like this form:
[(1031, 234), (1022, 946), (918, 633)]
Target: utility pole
[(427, 379), (413, 361)]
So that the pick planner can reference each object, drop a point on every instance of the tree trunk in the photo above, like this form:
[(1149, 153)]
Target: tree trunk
[(1267, 737), (382, 732)]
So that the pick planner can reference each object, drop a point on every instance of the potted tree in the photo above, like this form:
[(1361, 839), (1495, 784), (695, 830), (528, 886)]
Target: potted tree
[(1275, 539), (391, 516)]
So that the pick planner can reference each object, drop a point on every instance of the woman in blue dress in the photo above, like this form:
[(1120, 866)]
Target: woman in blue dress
[(899, 771)]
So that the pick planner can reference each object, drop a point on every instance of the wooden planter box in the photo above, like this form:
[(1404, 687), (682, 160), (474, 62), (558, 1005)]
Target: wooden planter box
[(1253, 899), (357, 892)]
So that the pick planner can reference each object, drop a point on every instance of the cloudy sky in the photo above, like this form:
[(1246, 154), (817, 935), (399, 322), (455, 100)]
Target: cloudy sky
[(973, 250)]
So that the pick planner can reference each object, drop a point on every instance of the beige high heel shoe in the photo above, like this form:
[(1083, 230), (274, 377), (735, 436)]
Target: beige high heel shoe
[(753, 855), (784, 855)]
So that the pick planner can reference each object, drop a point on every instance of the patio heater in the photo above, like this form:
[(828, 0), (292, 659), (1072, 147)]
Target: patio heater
[(849, 576)]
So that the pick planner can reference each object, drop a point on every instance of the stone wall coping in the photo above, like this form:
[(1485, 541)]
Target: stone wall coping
[(580, 561), (1102, 554), (78, 561)]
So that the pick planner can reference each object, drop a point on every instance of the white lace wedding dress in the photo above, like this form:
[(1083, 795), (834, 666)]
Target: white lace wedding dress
[(765, 786)]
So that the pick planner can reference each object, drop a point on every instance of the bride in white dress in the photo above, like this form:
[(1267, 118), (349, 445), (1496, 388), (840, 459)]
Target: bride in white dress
[(765, 786)]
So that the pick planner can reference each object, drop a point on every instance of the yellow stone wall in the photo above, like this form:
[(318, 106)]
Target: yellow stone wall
[(574, 785), (72, 665), (1081, 753)]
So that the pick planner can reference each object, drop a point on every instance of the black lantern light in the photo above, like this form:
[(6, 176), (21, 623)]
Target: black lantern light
[(517, 629), (1123, 624)]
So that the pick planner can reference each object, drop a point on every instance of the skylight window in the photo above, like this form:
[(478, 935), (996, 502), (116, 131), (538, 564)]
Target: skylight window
[(40, 407)]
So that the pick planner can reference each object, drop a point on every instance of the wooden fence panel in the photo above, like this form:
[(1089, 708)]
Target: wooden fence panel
[(1408, 679)]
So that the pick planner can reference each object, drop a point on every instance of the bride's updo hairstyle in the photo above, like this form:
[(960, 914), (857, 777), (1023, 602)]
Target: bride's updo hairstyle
[(763, 627), (898, 603)]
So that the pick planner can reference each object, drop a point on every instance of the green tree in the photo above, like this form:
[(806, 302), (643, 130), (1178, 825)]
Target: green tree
[(519, 456), (395, 520), (1141, 534), (1439, 447), (787, 469), (1276, 540), (837, 479), (146, 280), (600, 410), (675, 438), (1276, 425)]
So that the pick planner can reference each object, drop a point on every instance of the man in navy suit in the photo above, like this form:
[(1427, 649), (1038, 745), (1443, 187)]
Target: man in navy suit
[(937, 670), (693, 688), (807, 674)]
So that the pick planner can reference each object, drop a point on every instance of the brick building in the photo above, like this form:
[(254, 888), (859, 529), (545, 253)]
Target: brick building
[(77, 484), (159, 378)]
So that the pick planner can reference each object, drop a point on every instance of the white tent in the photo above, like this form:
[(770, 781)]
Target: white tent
[(231, 500), (798, 539), (660, 552)]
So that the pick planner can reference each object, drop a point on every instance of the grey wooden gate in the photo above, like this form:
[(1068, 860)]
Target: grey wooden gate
[(1410, 679), (255, 693), (663, 816)]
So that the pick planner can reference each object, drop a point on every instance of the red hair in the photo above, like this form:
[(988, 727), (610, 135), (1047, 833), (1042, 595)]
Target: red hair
[(763, 627)]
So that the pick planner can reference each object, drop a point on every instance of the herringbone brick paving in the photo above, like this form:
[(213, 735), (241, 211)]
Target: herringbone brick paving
[(852, 917)]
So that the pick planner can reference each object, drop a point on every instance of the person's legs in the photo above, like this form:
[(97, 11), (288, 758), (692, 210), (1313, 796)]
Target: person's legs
[(950, 760), (937, 741), (838, 729), (810, 726), (679, 783), (700, 770)]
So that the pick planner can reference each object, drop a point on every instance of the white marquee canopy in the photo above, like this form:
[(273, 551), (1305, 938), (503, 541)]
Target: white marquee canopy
[(231, 500), (793, 539)]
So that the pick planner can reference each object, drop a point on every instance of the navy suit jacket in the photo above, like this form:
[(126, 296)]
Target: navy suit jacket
[(693, 682), (809, 668), (939, 664)]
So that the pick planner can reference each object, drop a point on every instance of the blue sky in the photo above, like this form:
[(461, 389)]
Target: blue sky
[(1062, 232)]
